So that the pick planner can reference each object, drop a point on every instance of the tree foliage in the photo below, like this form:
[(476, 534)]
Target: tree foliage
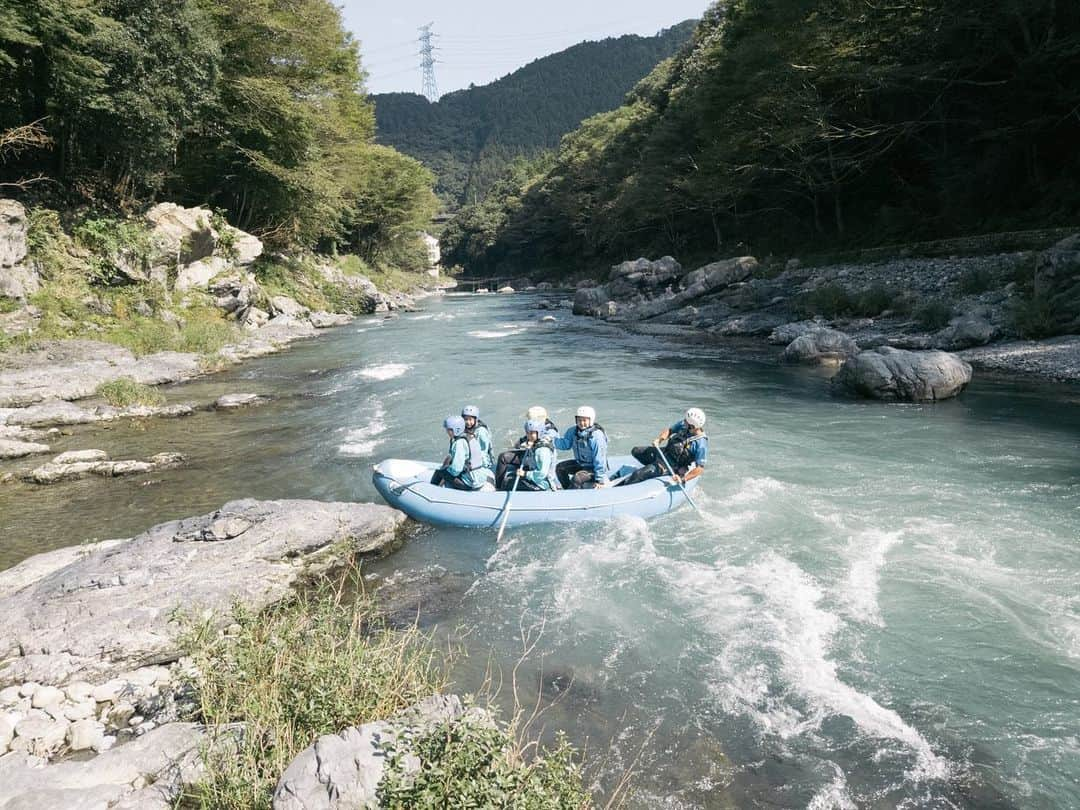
[(255, 107), (789, 124)]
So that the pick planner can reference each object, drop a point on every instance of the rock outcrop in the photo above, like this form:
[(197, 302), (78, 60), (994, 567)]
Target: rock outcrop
[(343, 771), (186, 239), (819, 347), (99, 610), (18, 279), (1057, 282), (895, 374)]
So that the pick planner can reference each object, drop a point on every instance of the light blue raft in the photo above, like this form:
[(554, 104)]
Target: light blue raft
[(405, 485)]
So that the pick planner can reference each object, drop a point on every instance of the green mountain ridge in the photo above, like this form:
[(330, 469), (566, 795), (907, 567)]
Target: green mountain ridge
[(469, 136)]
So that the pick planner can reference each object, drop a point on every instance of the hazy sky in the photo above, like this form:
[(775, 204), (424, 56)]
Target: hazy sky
[(481, 40)]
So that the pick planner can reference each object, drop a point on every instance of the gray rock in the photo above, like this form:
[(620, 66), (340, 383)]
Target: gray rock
[(752, 324), (73, 369), (199, 274), (787, 332), (46, 696), (895, 374), (255, 318), (965, 332), (93, 462), (10, 448), (326, 320), (13, 228), (84, 735), (149, 772), (181, 235), (701, 282), (41, 737), (284, 305), (110, 608), (591, 301), (7, 733), (343, 771), (232, 402), (820, 347), (77, 456)]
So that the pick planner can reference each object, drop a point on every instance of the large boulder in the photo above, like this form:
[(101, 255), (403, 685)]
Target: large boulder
[(641, 278), (1057, 281), (591, 301), (343, 771), (896, 374), (200, 273), (18, 279), (787, 332), (820, 347), (182, 235), (114, 606)]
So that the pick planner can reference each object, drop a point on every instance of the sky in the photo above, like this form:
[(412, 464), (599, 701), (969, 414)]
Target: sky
[(479, 41)]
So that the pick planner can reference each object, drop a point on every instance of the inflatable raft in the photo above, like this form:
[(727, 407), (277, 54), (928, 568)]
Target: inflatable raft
[(405, 485)]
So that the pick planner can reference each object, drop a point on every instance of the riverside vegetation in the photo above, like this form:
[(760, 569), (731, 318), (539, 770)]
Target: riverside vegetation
[(788, 128)]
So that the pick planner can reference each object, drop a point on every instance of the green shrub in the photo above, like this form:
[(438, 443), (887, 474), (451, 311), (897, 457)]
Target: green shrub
[(828, 300), (125, 391), (472, 765), (107, 240), (1035, 318), (872, 302), (313, 665), (975, 281), (932, 315), (205, 331)]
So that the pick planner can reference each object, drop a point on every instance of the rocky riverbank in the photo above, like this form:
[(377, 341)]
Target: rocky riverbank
[(977, 307), (164, 299), (127, 671)]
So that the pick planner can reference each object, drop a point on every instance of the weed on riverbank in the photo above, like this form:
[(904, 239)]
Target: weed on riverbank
[(324, 661), (125, 392)]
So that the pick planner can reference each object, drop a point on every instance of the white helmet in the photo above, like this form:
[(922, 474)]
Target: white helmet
[(695, 417), (537, 412), (586, 412)]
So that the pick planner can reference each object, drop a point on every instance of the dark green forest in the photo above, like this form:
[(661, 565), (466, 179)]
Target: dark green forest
[(470, 136), (253, 107), (793, 125)]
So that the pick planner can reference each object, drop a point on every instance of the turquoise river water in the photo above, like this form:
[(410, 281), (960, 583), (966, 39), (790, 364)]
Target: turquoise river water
[(879, 607)]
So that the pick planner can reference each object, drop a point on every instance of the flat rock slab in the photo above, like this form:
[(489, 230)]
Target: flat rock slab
[(73, 369), (83, 463), (11, 448), (112, 606), (160, 763), (232, 402), (57, 413)]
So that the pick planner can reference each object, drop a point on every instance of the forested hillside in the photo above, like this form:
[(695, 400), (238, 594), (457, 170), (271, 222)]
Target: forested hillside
[(253, 107), (470, 136), (792, 125)]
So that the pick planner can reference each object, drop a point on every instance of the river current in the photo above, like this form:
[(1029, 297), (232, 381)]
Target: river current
[(878, 607)]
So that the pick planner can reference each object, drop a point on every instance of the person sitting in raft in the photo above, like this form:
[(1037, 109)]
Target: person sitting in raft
[(509, 460), (588, 468), (687, 450), (463, 468), (536, 472), (475, 428)]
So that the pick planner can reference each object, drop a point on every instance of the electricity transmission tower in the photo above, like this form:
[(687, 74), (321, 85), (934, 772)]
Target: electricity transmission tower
[(427, 62)]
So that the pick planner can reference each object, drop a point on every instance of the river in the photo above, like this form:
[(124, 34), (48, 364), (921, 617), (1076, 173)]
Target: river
[(878, 607)]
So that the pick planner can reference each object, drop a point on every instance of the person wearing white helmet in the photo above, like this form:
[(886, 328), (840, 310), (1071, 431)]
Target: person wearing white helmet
[(476, 428), (686, 448), (463, 467), (512, 458), (536, 468), (588, 468)]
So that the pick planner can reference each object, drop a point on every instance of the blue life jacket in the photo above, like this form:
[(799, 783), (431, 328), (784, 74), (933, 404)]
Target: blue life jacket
[(583, 453), (476, 455), (530, 463)]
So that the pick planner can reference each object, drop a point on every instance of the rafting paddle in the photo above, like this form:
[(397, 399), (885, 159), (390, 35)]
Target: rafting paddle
[(506, 509), (667, 464)]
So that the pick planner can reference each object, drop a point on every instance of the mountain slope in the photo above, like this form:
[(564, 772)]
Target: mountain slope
[(468, 137)]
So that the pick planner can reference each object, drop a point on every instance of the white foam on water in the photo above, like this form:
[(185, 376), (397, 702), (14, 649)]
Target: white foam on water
[(833, 796), (775, 665), (386, 371), (858, 592), (754, 489), (487, 334), (361, 442)]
